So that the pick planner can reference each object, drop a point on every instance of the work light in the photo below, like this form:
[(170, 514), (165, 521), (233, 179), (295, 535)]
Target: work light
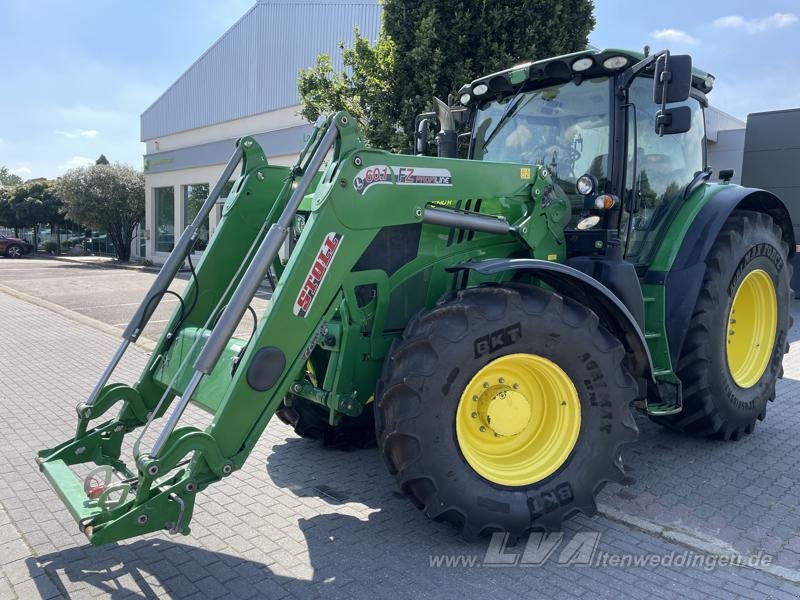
[(582, 64), (480, 89), (615, 62)]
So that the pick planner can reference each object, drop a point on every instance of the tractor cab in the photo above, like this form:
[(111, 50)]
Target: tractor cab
[(592, 119)]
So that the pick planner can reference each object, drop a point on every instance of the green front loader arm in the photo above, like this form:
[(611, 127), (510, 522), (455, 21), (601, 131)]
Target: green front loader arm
[(336, 294)]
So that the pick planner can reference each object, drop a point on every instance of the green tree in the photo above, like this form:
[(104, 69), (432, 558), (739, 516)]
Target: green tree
[(8, 216), (109, 197), (102, 160), (36, 203), (7, 178), (431, 48)]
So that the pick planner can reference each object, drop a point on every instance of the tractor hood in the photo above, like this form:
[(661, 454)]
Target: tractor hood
[(585, 64)]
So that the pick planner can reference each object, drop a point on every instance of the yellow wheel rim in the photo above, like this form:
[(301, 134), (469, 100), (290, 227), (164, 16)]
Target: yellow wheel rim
[(752, 324), (518, 419)]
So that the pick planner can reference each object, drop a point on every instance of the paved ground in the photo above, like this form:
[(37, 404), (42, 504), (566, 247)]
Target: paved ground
[(302, 522), (92, 288)]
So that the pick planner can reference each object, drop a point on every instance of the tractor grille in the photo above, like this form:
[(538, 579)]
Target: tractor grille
[(457, 236)]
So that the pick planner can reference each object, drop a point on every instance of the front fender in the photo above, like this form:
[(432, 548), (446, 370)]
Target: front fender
[(569, 282)]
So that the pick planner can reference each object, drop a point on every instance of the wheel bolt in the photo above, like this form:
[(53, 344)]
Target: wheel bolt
[(483, 428), (515, 386), (485, 384), (474, 398), (474, 415), (501, 380)]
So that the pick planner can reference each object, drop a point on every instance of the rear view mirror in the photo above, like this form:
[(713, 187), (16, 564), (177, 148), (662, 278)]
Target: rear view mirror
[(673, 120), (673, 78), (421, 136)]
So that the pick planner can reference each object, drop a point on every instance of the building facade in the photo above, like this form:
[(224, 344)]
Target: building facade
[(244, 84)]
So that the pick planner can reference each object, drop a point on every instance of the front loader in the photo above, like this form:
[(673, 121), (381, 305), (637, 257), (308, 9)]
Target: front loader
[(489, 316)]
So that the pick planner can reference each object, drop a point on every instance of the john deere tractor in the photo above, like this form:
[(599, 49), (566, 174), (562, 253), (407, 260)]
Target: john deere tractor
[(491, 316)]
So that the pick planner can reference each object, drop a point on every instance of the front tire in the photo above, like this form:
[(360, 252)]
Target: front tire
[(732, 355), (14, 251), (500, 463)]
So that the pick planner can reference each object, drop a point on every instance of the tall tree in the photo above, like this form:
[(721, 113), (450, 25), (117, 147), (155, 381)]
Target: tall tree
[(7, 178), (101, 160), (430, 48), (36, 203), (109, 197)]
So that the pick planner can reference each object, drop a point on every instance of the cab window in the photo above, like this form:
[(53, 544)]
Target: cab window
[(665, 165)]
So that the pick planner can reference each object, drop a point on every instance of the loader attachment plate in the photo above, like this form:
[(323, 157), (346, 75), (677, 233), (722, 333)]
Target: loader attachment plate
[(71, 491)]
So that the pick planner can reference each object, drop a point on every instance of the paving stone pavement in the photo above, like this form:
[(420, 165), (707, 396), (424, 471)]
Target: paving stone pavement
[(300, 521)]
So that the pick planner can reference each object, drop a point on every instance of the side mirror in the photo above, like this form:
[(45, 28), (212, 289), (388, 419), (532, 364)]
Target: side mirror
[(673, 120), (725, 175), (673, 78), (421, 136)]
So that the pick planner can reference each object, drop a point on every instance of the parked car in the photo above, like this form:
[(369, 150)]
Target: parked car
[(12, 247)]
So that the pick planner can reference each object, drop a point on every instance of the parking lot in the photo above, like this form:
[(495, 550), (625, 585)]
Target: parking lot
[(98, 290), (300, 521)]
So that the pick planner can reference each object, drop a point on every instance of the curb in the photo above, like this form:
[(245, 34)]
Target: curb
[(142, 343), (99, 265), (693, 540)]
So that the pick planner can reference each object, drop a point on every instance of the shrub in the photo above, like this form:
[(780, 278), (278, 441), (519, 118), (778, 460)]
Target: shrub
[(50, 247)]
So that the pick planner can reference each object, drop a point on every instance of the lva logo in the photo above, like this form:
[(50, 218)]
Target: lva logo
[(316, 275)]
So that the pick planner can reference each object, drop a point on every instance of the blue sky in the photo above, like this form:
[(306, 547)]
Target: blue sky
[(77, 74)]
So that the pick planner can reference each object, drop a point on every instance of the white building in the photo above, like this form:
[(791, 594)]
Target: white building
[(244, 84)]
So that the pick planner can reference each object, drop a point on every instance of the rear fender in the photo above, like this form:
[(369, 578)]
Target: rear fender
[(684, 278)]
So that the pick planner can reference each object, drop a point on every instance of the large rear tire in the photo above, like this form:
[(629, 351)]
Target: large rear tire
[(505, 409), (732, 355)]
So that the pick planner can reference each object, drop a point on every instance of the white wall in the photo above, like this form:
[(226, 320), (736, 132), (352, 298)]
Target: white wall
[(269, 121), (177, 180)]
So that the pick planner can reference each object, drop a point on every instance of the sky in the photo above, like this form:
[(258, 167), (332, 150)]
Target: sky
[(77, 74)]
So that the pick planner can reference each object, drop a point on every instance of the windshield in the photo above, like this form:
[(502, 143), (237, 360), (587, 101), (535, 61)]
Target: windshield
[(564, 127)]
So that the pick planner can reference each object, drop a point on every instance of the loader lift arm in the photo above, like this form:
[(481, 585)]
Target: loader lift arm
[(159, 492)]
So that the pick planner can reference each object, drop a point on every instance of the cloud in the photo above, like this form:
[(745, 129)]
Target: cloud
[(1, 140), (75, 133), (75, 161), (756, 25), (21, 171), (674, 35)]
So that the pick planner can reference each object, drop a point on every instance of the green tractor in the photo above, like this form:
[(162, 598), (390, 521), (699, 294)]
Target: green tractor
[(491, 316)]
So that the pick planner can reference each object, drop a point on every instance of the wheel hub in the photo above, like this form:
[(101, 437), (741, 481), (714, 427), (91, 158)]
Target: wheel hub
[(504, 410), (752, 324), (518, 419)]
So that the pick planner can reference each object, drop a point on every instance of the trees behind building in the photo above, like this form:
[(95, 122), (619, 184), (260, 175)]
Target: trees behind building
[(107, 197)]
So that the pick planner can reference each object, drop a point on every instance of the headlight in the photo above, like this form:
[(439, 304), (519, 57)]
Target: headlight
[(615, 62), (586, 185), (582, 64), (588, 222), (480, 89), (465, 98), (605, 202)]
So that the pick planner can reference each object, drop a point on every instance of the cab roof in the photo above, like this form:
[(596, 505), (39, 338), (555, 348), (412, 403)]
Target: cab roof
[(550, 71)]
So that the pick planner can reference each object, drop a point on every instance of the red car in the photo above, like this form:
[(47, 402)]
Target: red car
[(12, 247)]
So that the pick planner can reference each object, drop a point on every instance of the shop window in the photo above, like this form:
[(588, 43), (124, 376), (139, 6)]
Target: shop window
[(193, 197), (165, 218)]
